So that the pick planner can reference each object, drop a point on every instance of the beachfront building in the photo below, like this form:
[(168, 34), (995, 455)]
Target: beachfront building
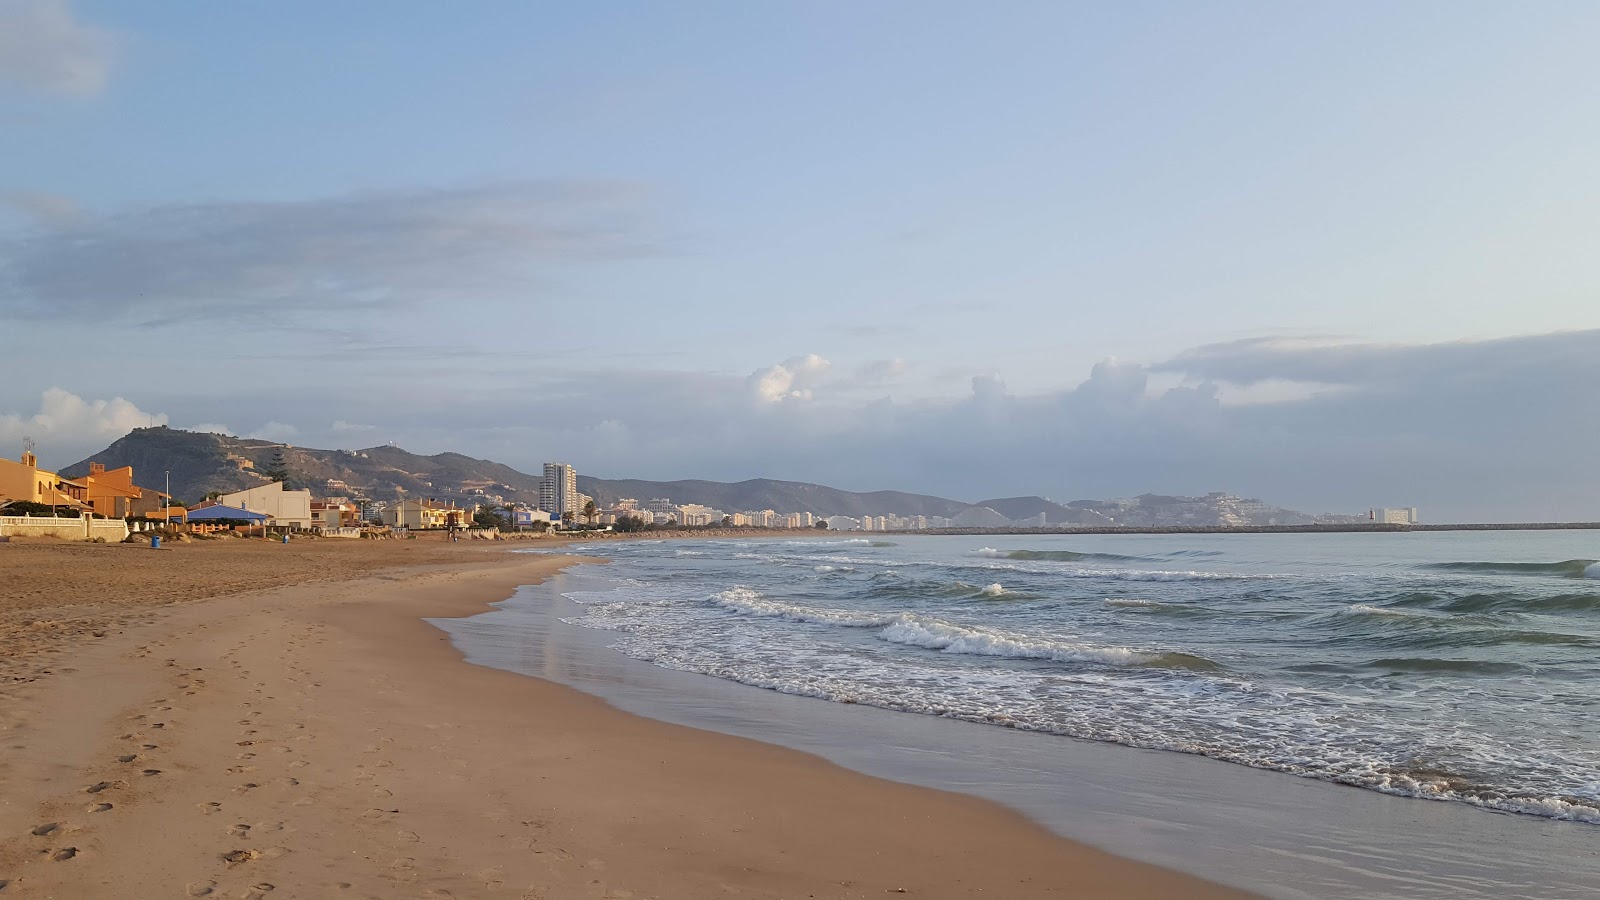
[(423, 514), (26, 482), (334, 513), (284, 508), (530, 518), (112, 493), (558, 491)]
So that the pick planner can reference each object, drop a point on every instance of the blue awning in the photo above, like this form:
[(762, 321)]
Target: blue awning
[(214, 513)]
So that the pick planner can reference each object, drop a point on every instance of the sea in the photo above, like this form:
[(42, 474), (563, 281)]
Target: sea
[(1355, 714)]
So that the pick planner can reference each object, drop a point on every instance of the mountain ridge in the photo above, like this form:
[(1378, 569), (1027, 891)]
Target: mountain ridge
[(202, 462)]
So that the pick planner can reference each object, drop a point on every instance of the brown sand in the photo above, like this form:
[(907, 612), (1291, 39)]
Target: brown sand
[(310, 736)]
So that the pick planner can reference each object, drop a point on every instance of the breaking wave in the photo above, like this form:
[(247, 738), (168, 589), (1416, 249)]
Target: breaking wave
[(947, 637), (1567, 568), (744, 600)]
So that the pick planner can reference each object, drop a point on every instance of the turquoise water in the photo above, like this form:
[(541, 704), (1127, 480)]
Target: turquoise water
[(1448, 666)]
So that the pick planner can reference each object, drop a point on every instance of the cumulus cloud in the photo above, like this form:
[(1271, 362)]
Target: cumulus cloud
[(277, 432), (212, 428), (353, 253), (69, 425), (881, 371), (1489, 430), (791, 379), (1475, 431), (44, 47)]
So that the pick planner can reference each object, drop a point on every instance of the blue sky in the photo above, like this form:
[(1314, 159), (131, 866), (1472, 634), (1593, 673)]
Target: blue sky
[(810, 240)]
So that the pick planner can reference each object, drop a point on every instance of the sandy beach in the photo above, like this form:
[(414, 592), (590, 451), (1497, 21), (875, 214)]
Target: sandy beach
[(243, 719)]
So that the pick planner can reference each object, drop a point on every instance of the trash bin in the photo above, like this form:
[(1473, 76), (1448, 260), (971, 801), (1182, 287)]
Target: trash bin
[(286, 539), (155, 542)]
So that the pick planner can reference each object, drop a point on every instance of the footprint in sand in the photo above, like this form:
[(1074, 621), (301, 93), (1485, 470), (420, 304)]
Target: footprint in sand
[(151, 772), (209, 808), (98, 807), (201, 888), (239, 831), (46, 828), (97, 787), (64, 854), (234, 857), (127, 758)]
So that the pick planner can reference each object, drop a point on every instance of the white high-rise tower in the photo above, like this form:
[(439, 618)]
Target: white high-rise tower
[(558, 490)]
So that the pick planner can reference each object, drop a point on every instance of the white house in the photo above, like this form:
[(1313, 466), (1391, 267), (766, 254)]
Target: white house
[(288, 509)]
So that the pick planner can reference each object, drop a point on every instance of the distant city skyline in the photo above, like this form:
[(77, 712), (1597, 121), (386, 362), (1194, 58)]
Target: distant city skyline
[(1337, 258)]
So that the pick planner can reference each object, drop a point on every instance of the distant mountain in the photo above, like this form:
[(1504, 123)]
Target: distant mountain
[(765, 493), (201, 462)]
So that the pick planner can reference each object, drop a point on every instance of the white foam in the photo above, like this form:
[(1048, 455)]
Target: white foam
[(990, 552), (1362, 609), (994, 590), (823, 569), (749, 602), (935, 634), (1592, 570), (1131, 601)]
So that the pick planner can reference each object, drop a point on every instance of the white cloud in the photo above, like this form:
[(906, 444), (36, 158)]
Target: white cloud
[(340, 426), (278, 432), (881, 371), (789, 380), (1468, 431), (44, 47), (213, 428), (68, 425)]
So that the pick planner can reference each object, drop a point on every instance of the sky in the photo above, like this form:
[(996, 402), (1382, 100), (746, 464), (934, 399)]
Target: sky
[(1335, 256)]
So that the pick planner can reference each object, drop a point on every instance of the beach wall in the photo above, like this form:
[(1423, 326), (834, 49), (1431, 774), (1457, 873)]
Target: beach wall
[(69, 529)]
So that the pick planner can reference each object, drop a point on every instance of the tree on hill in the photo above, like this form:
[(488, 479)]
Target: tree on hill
[(276, 468), (822, 524)]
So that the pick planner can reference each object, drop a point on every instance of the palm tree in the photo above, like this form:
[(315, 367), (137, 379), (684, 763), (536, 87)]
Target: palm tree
[(590, 511)]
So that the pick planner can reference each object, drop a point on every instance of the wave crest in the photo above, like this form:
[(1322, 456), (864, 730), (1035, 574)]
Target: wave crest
[(1566, 568), (749, 602), (934, 634)]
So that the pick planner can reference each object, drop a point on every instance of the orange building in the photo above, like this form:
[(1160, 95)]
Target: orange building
[(27, 482), (112, 493)]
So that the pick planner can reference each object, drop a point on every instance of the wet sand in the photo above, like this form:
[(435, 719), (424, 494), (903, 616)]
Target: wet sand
[(303, 733)]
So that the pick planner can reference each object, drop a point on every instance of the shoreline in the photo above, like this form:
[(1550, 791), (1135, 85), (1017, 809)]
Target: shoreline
[(1242, 825), (321, 739)]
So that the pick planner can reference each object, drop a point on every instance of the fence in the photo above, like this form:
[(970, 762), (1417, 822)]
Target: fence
[(83, 529)]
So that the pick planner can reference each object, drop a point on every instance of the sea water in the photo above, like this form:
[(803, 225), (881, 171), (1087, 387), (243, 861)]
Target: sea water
[(1461, 668)]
